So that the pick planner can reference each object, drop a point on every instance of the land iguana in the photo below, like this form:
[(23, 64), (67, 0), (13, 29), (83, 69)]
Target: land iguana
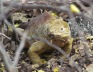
[(52, 28)]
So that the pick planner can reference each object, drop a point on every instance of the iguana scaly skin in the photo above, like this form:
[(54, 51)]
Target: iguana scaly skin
[(52, 28)]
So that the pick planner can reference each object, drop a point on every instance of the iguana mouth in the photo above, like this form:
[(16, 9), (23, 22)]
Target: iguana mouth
[(59, 38)]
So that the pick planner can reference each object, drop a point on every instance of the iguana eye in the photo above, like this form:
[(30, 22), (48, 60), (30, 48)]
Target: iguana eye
[(63, 29)]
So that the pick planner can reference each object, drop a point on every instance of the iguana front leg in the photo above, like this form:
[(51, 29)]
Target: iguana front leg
[(68, 48), (35, 50)]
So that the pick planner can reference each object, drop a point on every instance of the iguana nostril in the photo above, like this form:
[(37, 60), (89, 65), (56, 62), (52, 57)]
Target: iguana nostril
[(51, 35), (58, 35), (61, 28)]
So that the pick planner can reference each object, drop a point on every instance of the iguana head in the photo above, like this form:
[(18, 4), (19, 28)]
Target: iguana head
[(58, 28)]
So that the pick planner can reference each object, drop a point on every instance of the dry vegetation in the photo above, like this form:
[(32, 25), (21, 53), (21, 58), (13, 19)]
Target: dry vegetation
[(14, 18)]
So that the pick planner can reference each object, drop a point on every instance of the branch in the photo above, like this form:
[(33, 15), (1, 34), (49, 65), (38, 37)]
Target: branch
[(18, 7), (6, 59), (18, 52), (60, 50), (5, 36)]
